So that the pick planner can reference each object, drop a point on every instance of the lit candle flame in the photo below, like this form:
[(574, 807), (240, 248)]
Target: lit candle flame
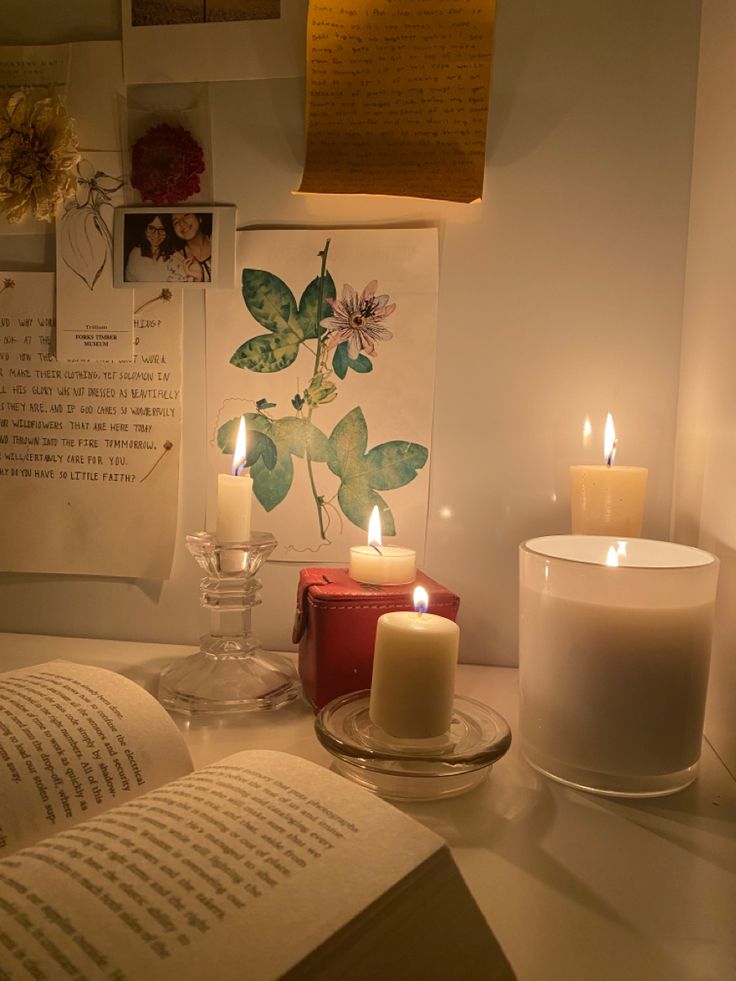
[(239, 456), (612, 557), (374, 530), (609, 441), (421, 600)]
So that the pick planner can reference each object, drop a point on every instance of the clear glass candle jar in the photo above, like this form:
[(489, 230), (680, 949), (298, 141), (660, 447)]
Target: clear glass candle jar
[(614, 652)]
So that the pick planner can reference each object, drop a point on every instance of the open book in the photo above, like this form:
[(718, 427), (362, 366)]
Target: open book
[(117, 861)]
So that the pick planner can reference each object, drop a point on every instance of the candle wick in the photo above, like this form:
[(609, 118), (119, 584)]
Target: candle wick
[(611, 455), (373, 545)]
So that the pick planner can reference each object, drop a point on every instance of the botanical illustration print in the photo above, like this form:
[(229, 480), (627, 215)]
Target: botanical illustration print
[(319, 339), (85, 237)]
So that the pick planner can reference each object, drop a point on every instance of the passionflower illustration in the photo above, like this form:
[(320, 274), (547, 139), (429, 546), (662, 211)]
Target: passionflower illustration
[(358, 319), (165, 164), (38, 156)]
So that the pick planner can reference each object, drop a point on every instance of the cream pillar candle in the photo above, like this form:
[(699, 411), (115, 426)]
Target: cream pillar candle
[(414, 666), (378, 564), (234, 496), (607, 500), (614, 650)]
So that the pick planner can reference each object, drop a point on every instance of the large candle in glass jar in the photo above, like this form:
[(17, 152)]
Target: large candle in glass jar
[(614, 650), (414, 666), (379, 564), (607, 499)]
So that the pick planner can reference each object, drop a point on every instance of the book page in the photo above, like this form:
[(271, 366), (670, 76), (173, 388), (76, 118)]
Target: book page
[(240, 869), (74, 741), (397, 97)]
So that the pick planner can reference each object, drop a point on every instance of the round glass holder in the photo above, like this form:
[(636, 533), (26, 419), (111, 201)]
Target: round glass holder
[(412, 769), (231, 672)]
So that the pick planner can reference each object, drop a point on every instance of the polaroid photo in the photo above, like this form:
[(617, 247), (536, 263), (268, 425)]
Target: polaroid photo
[(189, 245)]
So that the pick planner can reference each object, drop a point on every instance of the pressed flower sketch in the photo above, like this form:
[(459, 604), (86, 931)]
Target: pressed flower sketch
[(85, 238), (38, 156), (320, 339)]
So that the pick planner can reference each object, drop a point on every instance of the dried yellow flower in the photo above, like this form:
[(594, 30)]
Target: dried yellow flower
[(38, 154)]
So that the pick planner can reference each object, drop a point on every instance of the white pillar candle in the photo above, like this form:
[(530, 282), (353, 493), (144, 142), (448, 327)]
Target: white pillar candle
[(414, 665), (608, 500), (614, 649), (234, 496), (378, 564)]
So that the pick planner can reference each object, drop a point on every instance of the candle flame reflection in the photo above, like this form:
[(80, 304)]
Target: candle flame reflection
[(374, 529), (421, 599), (612, 557), (621, 550), (609, 441), (239, 456), (587, 430)]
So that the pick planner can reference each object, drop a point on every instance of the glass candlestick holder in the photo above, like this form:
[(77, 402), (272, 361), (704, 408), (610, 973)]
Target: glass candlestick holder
[(231, 672)]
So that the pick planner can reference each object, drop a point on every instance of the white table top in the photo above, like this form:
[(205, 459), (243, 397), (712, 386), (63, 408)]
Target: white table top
[(575, 886)]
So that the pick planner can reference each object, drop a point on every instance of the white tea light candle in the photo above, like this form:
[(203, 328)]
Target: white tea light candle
[(614, 650), (607, 499), (234, 495), (414, 665), (379, 564)]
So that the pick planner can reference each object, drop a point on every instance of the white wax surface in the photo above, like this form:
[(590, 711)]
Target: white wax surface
[(394, 566), (234, 498), (611, 690), (607, 500), (414, 667), (640, 553)]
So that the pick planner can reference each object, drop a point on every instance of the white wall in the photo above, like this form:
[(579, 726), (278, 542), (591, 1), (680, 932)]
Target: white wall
[(705, 487), (560, 297)]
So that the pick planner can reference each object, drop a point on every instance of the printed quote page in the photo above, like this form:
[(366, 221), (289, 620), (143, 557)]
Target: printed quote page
[(89, 453)]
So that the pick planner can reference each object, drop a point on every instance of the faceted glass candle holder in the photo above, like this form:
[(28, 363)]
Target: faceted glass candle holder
[(614, 651), (231, 672)]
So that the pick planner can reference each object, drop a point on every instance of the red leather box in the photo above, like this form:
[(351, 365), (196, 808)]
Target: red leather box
[(335, 627)]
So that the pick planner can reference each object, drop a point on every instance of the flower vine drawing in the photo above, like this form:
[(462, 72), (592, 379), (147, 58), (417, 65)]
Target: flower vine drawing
[(165, 164), (38, 154), (8, 284), (341, 336), (85, 236)]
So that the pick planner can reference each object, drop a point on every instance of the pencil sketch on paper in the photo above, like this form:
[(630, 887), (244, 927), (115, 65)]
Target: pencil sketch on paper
[(85, 238), (339, 335)]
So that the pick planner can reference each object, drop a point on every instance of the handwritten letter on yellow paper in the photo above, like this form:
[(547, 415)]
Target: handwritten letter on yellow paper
[(397, 97)]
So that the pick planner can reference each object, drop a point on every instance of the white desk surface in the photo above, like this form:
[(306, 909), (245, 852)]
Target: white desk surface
[(576, 887)]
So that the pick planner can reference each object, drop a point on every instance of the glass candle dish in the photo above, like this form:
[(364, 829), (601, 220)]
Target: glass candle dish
[(614, 652)]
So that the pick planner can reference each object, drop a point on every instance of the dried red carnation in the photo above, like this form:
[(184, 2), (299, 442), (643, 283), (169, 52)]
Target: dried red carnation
[(166, 164)]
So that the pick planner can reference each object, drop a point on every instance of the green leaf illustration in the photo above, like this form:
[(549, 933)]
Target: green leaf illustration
[(357, 500), (271, 445), (308, 306), (267, 352), (268, 299), (272, 486), (272, 304), (341, 361), (259, 445), (385, 467)]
